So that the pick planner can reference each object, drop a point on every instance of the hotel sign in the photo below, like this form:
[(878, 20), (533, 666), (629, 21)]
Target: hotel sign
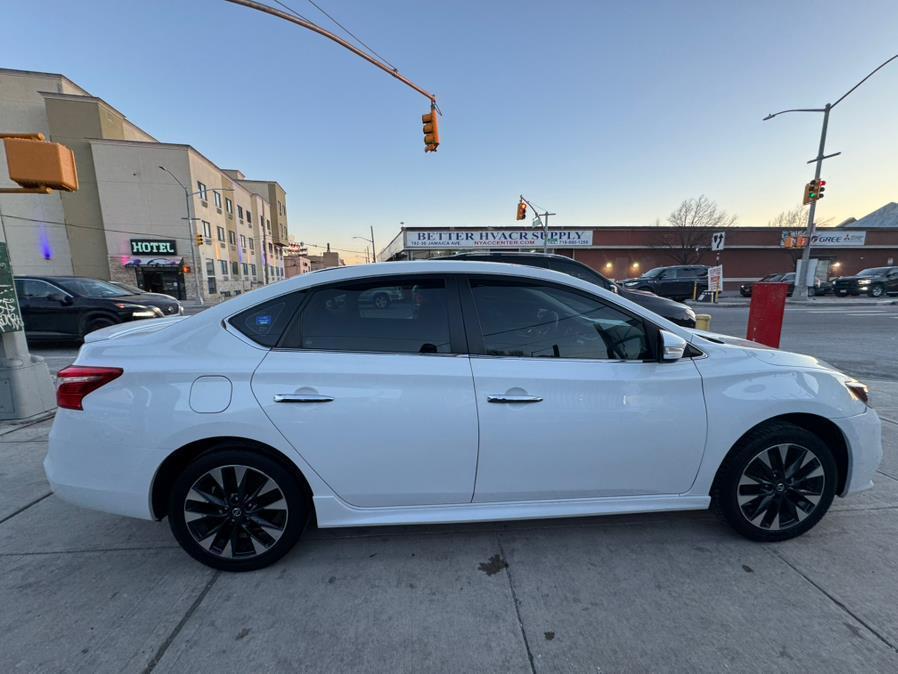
[(153, 247), (506, 238)]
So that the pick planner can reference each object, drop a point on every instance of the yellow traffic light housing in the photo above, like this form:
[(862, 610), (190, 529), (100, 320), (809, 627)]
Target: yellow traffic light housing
[(806, 199), (522, 210), (200, 239), (39, 166), (431, 130)]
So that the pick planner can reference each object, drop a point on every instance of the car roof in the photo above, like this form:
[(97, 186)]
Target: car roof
[(56, 278)]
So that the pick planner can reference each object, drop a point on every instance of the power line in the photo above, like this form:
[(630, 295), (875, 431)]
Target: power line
[(344, 28)]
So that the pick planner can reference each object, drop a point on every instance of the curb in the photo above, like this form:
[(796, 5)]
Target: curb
[(809, 303)]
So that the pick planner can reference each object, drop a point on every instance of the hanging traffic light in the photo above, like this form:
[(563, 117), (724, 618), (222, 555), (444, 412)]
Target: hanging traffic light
[(431, 130), (39, 166), (200, 239), (807, 198), (821, 188), (522, 210)]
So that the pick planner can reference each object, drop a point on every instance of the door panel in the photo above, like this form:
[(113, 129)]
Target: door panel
[(400, 429), (601, 429)]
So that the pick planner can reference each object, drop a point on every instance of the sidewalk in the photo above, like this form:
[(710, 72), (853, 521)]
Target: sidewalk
[(738, 301)]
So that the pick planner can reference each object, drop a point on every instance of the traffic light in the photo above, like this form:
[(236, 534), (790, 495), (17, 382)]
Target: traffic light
[(813, 191), (807, 198), (522, 210), (821, 188), (200, 239), (431, 130), (39, 166)]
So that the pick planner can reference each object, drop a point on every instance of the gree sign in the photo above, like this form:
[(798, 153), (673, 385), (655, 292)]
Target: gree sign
[(507, 238), (153, 247), (824, 239)]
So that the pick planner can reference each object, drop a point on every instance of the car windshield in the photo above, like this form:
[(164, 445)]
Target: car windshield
[(771, 277), (651, 273), (873, 271), (88, 287), (134, 290)]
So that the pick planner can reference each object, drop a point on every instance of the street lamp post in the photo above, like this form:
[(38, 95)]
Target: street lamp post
[(802, 277), (197, 272), (371, 241)]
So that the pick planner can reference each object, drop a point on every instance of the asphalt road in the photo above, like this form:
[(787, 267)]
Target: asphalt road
[(859, 338)]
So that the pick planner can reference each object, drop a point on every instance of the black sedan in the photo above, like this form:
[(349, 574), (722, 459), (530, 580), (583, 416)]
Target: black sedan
[(69, 307), (875, 282), (673, 311), (745, 288), (819, 287)]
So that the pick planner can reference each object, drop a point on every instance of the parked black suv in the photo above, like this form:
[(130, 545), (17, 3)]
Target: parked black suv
[(875, 281), (672, 311), (677, 282), (68, 307)]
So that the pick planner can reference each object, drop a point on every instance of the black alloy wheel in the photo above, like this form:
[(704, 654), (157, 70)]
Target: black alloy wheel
[(877, 290), (381, 301), (778, 484), (237, 510)]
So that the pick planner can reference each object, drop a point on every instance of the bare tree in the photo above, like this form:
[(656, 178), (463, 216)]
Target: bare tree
[(690, 227), (796, 218)]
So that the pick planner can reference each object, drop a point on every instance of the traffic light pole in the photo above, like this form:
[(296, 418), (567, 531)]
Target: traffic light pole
[(543, 220), (804, 268), (192, 242)]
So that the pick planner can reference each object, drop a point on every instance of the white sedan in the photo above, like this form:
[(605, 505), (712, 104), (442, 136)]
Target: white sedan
[(481, 391)]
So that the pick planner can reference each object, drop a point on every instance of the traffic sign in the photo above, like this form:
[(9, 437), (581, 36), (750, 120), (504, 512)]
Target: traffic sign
[(717, 240)]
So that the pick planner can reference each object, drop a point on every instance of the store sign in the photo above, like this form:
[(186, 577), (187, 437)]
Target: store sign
[(485, 238), (825, 239), (715, 279), (153, 247)]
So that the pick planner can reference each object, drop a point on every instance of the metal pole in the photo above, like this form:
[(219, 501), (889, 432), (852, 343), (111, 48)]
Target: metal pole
[(191, 241), (803, 272), (373, 249)]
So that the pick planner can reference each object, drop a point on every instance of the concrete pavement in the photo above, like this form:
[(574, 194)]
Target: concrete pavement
[(87, 591)]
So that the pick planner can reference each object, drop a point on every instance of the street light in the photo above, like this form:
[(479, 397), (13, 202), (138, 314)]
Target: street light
[(190, 231), (801, 288), (371, 241)]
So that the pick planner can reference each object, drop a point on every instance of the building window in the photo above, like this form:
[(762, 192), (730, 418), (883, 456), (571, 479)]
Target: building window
[(235, 270), (201, 189), (270, 249), (242, 241), (232, 238), (280, 208), (217, 197), (253, 267), (239, 212), (229, 206), (212, 287), (221, 234), (251, 244), (261, 221), (268, 226), (245, 269), (224, 267), (210, 267), (207, 230)]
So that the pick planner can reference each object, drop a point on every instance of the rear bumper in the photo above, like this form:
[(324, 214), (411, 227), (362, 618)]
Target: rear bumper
[(863, 434), (89, 470)]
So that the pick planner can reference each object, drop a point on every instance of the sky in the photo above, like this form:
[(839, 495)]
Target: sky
[(606, 113)]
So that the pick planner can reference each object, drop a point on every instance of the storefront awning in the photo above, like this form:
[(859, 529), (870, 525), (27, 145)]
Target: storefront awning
[(135, 261)]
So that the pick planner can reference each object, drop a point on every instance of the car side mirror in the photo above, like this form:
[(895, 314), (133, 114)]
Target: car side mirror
[(672, 347)]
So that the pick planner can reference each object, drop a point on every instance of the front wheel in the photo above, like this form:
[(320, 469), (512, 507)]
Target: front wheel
[(777, 484), (840, 293), (877, 291), (237, 510)]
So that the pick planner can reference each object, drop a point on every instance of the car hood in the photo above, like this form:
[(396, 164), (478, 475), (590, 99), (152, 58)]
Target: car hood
[(132, 329), (765, 353), (855, 278)]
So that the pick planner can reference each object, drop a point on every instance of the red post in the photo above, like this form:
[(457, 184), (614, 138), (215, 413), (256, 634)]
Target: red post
[(765, 315)]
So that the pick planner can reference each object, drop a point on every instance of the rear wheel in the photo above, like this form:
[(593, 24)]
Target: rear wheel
[(237, 510), (777, 484), (97, 324)]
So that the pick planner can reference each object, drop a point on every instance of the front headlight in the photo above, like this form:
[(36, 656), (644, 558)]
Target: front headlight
[(858, 391), (864, 282)]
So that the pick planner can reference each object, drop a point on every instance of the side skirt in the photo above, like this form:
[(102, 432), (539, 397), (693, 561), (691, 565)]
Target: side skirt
[(332, 512)]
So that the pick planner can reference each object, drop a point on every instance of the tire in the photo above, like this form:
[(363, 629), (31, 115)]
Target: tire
[(840, 293), (381, 300), (97, 324), (249, 536), (812, 291), (877, 290), (755, 494)]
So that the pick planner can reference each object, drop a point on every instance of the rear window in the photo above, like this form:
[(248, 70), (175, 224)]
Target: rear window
[(265, 323)]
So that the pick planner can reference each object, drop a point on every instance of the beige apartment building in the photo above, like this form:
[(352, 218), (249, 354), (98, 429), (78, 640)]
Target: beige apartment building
[(158, 215)]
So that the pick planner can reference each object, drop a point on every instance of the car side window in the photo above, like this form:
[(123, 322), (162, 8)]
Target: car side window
[(534, 320), (265, 323), (36, 290), (668, 275), (402, 316)]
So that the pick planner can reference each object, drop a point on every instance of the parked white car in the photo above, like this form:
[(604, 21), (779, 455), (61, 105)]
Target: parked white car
[(481, 391)]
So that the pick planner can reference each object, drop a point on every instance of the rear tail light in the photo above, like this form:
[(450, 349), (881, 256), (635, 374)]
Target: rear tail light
[(76, 381)]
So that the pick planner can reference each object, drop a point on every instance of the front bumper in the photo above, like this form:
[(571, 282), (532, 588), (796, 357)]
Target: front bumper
[(863, 434)]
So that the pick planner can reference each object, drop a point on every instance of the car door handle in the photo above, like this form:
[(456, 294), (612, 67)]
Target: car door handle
[(506, 398), (301, 398)]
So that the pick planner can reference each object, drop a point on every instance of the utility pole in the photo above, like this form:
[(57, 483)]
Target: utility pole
[(803, 278), (373, 249)]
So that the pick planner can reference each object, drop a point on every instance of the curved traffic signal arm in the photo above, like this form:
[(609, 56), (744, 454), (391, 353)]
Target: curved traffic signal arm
[(38, 166)]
